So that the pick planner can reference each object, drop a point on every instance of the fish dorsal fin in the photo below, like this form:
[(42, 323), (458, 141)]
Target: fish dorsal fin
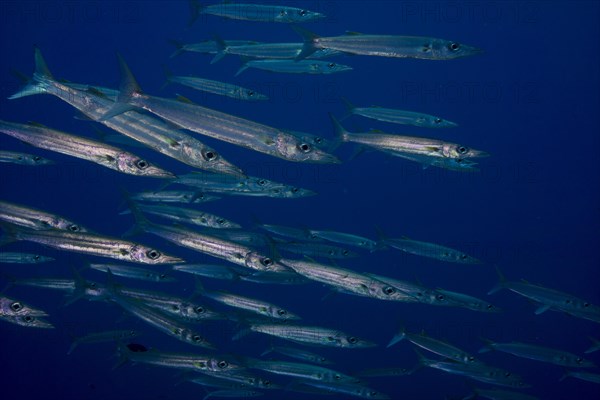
[(96, 92), (353, 33)]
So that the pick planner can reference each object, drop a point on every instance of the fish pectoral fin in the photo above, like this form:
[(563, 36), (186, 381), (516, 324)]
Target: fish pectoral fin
[(541, 309)]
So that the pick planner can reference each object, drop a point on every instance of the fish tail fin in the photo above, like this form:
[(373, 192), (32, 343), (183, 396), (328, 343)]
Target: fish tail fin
[(221, 47), (38, 83), (309, 42), (178, 47), (349, 108), (79, 292), (487, 347), (74, 344), (241, 334), (127, 89), (501, 282), (122, 357), (341, 135), (243, 67), (422, 361), (397, 337), (195, 11)]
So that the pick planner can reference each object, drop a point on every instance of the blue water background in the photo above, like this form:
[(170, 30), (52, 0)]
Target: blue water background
[(531, 101)]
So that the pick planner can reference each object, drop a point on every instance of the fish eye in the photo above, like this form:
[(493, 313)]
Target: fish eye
[(352, 339), (437, 120), (199, 310), (131, 333), (261, 182), (16, 306), (220, 221), (36, 257), (507, 374), (440, 297), (267, 383), (294, 190), (162, 276), (153, 254), (267, 262), (578, 360), (463, 256), (373, 393), (568, 301), (250, 93), (471, 358), (318, 140), (345, 252), (19, 157), (282, 13), (454, 46), (223, 364), (337, 377), (37, 158), (462, 150), (586, 304), (331, 65), (281, 312), (74, 228), (196, 338), (28, 318), (322, 359), (489, 306), (302, 13), (388, 290), (304, 147), (141, 164)]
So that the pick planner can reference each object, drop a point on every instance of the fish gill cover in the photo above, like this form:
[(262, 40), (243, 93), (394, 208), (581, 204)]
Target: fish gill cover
[(416, 175)]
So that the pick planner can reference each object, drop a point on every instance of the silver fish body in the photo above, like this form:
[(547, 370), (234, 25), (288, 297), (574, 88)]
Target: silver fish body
[(218, 88), (539, 353), (313, 67), (14, 157), (36, 219), (15, 308), (23, 258), (128, 271), (256, 12), (187, 215)]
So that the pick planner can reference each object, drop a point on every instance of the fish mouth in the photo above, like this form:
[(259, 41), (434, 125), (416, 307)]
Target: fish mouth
[(477, 154), (321, 157), (160, 173), (228, 169), (171, 260)]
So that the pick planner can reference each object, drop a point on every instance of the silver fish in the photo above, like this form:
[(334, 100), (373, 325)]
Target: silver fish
[(86, 149), (23, 258), (402, 117), (430, 250), (435, 346), (249, 186), (216, 124), (312, 249), (217, 87), (187, 215), (36, 219), (346, 238), (538, 353), (153, 132), (207, 46), (426, 48), (268, 51), (87, 243), (299, 354), (255, 12), (14, 157), (174, 196), (409, 146), (348, 389), (225, 272), (585, 376), (310, 335), (300, 370), (313, 67), (595, 347)]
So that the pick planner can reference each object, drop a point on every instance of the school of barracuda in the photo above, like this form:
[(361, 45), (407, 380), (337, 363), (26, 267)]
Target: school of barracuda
[(264, 254)]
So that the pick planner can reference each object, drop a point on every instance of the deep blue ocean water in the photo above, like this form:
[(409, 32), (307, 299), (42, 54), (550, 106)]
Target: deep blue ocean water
[(531, 101)]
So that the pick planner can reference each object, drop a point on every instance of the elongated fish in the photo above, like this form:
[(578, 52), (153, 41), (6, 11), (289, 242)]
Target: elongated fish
[(314, 67), (538, 353), (550, 299), (479, 372), (237, 186), (138, 273), (300, 370), (426, 48), (174, 196), (435, 346), (595, 346), (255, 12), (355, 390), (14, 157), (36, 219), (247, 303), (150, 131), (217, 87), (187, 215), (215, 124), (430, 250), (86, 149), (402, 117), (96, 245), (213, 271), (584, 376), (314, 249), (207, 46), (346, 238), (299, 354), (23, 258), (407, 146), (314, 335), (280, 51)]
